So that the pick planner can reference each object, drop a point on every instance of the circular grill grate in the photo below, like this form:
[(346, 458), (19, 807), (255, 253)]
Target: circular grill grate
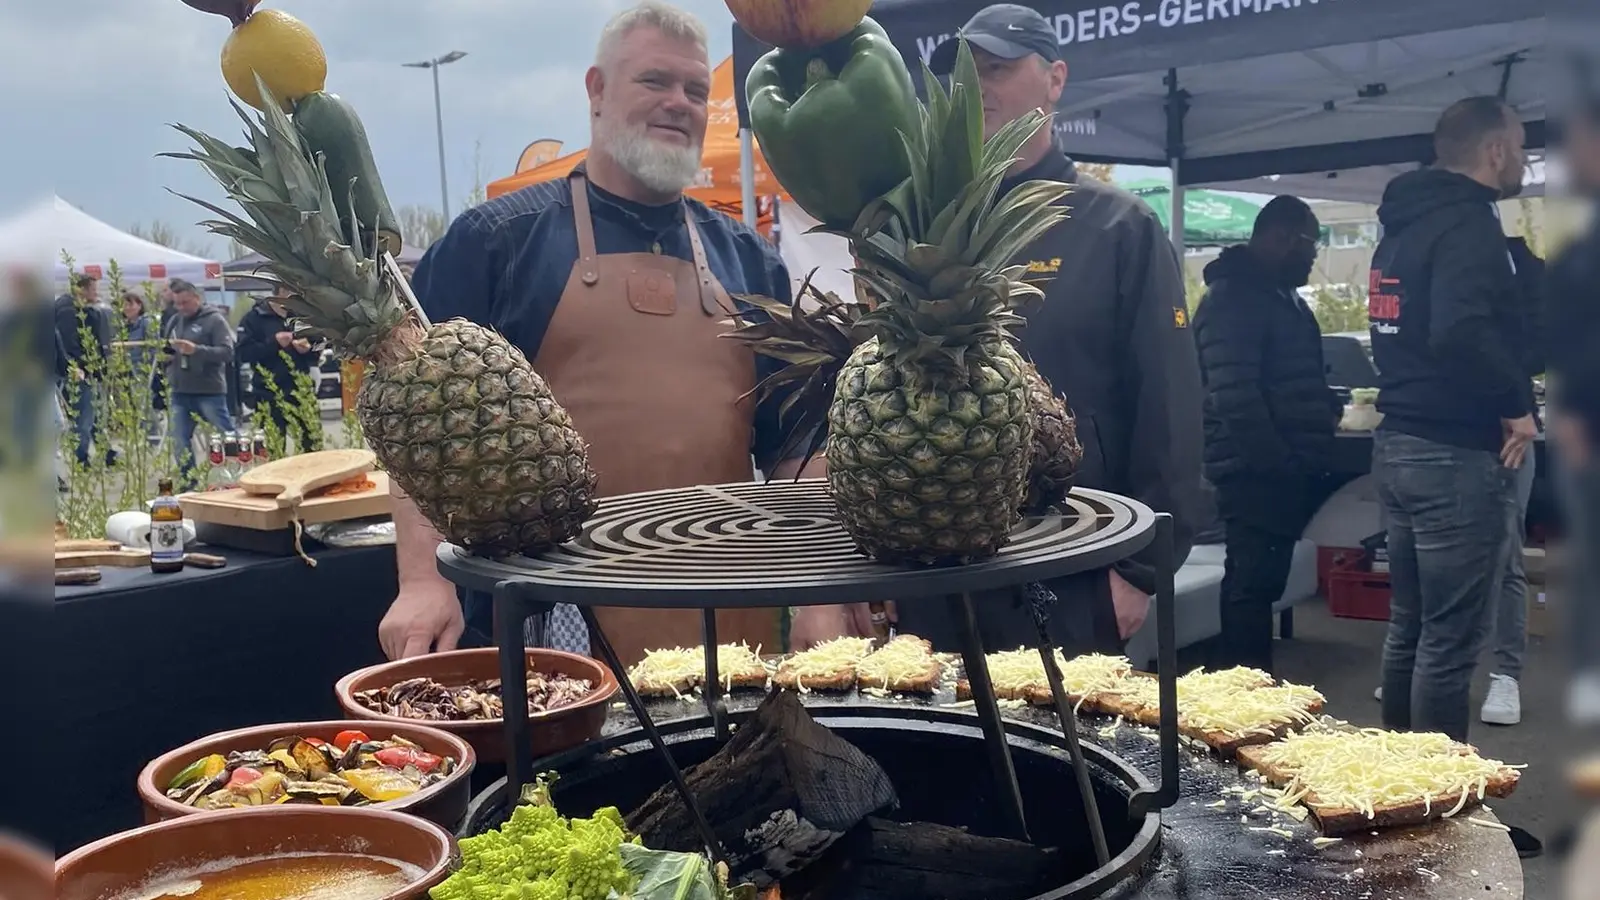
[(779, 544)]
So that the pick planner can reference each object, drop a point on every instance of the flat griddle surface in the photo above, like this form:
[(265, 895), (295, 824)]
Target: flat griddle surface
[(1208, 853)]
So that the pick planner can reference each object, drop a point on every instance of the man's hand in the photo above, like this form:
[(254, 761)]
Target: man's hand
[(183, 346), (301, 345), (1132, 605), (813, 625), (424, 618), (284, 338), (1519, 433)]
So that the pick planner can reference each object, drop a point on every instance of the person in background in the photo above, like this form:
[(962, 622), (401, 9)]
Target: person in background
[(565, 270), (1458, 408), (1111, 335), (278, 358), (78, 311), (199, 350), (139, 331), (1508, 612), (1270, 417), (1572, 308)]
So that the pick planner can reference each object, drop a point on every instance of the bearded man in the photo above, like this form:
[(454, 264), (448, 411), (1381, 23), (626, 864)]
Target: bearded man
[(617, 287)]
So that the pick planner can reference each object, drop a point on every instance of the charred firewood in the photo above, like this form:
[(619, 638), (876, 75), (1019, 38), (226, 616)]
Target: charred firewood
[(883, 860), (778, 794)]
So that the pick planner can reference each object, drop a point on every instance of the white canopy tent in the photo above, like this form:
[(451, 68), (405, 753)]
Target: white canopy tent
[(39, 236)]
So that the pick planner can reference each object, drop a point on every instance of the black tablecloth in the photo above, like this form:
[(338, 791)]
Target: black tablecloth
[(145, 663)]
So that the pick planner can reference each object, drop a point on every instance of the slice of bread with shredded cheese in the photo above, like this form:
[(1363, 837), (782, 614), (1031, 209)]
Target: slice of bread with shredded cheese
[(825, 667), (678, 671), (1353, 779), (906, 664), (1226, 709), (1019, 675)]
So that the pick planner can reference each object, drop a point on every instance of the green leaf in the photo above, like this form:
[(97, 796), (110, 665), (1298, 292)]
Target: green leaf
[(664, 875)]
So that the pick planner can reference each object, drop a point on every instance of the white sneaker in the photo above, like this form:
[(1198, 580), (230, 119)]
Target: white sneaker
[(1503, 706), (1583, 700), (1378, 694)]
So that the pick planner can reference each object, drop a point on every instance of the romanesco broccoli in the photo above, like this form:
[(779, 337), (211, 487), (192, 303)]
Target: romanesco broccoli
[(538, 855)]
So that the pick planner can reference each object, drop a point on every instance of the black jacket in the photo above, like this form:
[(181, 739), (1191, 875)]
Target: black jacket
[(1448, 316), (1112, 337), (69, 330), (1269, 413), (1572, 310), (258, 346)]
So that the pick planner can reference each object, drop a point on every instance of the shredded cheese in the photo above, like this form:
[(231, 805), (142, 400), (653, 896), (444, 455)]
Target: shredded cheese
[(905, 663), (1019, 674), (836, 659), (679, 670), (1371, 769)]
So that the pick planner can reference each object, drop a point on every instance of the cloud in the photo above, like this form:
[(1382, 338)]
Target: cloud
[(96, 85)]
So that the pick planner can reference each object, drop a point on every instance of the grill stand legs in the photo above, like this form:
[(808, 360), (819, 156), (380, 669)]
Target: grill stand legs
[(510, 614), (712, 690), (988, 709), (1069, 729)]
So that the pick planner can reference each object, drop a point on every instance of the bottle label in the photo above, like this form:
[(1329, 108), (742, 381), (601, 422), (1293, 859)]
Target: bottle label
[(166, 541)]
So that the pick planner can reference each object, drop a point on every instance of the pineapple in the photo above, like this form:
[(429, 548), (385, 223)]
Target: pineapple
[(1056, 451), (929, 434), (455, 414)]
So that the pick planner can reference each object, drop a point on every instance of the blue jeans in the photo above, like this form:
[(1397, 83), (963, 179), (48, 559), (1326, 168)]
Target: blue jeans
[(1447, 529), (210, 408), (1508, 614)]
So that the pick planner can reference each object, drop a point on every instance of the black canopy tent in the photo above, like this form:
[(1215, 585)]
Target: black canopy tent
[(1223, 91)]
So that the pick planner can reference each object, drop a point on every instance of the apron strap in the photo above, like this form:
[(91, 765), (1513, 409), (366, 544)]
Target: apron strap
[(588, 260), (708, 290)]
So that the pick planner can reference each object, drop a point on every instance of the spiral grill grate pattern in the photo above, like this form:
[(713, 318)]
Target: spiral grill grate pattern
[(707, 546)]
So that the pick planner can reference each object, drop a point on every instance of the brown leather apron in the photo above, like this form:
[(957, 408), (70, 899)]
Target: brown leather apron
[(634, 353)]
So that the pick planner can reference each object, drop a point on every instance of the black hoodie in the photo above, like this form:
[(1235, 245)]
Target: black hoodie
[(1446, 313)]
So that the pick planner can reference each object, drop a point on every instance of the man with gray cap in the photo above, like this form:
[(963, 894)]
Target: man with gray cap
[(1111, 335)]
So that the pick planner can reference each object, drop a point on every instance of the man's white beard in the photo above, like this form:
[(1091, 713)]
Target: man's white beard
[(659, 166)]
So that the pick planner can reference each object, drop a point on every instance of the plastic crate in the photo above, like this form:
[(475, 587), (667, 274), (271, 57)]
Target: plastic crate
[(1337, 559), (1359, 595)]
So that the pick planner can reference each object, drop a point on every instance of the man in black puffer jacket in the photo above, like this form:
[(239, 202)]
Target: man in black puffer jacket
[(1270, 417)]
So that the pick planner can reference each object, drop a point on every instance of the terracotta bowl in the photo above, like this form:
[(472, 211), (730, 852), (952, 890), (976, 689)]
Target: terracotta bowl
[(443, 803), (128, 861), (552, 732), (25, 870)]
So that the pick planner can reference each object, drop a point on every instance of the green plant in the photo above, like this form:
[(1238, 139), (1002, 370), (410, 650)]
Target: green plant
[(119, 388), (1339, 308)]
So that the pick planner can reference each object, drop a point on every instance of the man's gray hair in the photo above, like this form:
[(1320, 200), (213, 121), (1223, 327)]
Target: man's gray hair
[(663, 17)]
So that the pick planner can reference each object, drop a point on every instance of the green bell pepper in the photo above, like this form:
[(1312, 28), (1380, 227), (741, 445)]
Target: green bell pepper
[(829, 121)]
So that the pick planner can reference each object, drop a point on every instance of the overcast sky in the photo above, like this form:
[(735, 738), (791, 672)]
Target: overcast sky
[(97, 81)]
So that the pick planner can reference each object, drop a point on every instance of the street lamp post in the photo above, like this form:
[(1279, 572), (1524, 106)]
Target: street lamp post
[(438, 114)]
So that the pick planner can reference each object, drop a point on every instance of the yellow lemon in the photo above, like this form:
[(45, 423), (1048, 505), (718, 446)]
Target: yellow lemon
[(279, 48)]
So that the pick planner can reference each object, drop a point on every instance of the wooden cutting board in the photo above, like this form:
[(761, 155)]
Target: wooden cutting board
[(242, 510), (291, 479)]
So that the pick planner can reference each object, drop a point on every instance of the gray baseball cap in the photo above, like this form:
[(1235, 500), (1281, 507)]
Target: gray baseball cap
[(1006, 30)]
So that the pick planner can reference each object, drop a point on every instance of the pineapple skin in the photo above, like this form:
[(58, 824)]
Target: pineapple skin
[(929, 466), (474, 436), (1056, 451)]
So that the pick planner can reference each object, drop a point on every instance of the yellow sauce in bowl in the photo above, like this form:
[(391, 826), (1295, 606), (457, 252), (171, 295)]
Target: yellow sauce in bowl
[(301, 876)]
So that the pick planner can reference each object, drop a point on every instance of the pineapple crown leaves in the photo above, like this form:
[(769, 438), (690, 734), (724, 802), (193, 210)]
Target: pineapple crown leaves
[(936, 251), (290, 218), (814, 334)]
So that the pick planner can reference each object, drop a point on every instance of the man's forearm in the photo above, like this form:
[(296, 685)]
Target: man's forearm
[(795, 468), (415, 542)]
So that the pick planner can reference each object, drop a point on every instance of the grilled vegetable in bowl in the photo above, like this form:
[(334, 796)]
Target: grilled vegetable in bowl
[(352, 770), (428, 700)]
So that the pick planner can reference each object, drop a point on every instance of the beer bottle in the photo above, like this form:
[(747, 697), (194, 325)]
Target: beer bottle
[(166, 530)]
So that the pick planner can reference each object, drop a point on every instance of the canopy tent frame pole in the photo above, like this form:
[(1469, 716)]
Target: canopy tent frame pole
[(747, 178), (1177, 107)]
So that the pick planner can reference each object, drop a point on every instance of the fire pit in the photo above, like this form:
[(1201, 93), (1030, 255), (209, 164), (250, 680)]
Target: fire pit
[(773, 545), (936, 759)]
